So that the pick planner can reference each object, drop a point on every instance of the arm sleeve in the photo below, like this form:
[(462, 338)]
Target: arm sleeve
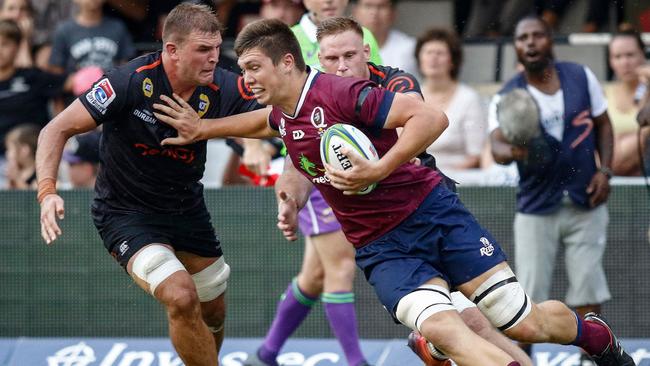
[(598, 100), (364, 102), (403, 82), (108, 95)]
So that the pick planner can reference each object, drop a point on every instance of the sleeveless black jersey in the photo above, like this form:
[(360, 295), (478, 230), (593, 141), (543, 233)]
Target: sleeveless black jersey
[(137, 173)]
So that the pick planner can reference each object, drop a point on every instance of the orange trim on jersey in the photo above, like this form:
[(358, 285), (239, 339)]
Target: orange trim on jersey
[(148, 67), (244, 92), (376, 72), (213, 86)]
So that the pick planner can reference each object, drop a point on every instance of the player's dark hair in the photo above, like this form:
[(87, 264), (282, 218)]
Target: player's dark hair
[(450, 38), (337, 25), (628, 33), (10, 30), (274, 38), (186, 18)]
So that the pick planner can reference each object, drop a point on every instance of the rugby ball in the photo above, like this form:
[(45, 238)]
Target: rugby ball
[(341, 136), (518, 117)]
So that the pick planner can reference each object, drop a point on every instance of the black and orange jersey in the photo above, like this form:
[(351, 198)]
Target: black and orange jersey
[(137, 173), (393, 79)]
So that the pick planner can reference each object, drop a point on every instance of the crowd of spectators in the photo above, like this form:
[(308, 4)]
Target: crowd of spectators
[(52, 51)]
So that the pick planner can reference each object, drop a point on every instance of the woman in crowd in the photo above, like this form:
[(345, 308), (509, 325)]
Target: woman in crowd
[(439, 56), (626, 58)]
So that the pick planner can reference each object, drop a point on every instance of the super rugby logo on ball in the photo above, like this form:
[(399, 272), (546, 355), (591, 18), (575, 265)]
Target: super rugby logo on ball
[(341, 136)]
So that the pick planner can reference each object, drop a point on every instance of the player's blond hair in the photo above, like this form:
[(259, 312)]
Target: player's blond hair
[(186, 18), (337, 25)]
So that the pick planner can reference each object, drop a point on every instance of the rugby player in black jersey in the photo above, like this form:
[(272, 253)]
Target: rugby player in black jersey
[(149, 207)]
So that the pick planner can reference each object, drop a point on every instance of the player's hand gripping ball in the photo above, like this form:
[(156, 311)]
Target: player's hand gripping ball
[(341, 136), (518, 117)]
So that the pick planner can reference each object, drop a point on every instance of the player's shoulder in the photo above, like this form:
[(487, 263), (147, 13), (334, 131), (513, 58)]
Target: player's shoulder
[(393, 79), (140, 67)]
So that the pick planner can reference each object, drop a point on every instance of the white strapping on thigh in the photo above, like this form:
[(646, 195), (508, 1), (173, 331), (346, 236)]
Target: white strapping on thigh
[(212, 280), (417, 306), (154, 264)]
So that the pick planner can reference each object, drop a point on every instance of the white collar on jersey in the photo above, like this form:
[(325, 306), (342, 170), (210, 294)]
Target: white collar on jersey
[(308, 27), (303, 95)]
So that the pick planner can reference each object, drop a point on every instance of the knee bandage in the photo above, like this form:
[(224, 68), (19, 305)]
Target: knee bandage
[(417, 306), (212, 280), (502, 300), (154, 264)]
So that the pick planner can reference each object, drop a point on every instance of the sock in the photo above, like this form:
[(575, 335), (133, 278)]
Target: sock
[(292, 310), (339, 308), (592, 337)]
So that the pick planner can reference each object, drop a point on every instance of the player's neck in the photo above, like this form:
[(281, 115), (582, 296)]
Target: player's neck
[(289, 102), (182, 88)]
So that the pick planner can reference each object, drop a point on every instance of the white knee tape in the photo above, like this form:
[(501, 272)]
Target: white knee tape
[(460, 302), (154, 264), (212, 280), (417, 306), (502, 300)]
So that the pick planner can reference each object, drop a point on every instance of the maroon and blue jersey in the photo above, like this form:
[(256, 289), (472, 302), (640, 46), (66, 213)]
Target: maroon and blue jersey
[(137, 173), (326, 100)]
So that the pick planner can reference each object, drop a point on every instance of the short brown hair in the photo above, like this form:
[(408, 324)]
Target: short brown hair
[(450, 38), (337, 25), (272, 37), (186, 18), (10, 30)]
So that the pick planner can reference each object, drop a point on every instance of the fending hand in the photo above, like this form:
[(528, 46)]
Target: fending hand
[(181, 116)]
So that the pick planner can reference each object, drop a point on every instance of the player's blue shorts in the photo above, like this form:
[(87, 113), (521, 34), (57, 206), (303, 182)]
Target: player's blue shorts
[(440, 239)]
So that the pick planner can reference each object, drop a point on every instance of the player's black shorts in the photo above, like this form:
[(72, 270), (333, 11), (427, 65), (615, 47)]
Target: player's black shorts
[(126, 233)]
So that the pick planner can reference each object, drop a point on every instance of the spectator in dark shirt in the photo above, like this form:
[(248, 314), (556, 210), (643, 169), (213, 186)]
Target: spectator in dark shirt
[(24, 92)]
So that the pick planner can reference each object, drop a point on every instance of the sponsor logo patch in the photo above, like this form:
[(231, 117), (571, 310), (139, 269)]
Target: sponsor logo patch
[(298, 134), (204, 104), (488, 248), (318, 118), (146, 116), (101, 95), (147, 87)]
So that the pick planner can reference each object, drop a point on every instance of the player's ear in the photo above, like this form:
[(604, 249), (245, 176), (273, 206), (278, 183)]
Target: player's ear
[(172, 49), (366, 52), (288, 63)]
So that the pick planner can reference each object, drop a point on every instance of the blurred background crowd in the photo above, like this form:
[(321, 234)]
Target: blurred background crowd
[(461, 51)]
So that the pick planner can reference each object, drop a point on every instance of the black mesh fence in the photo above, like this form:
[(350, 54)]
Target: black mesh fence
[(74, 288)]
